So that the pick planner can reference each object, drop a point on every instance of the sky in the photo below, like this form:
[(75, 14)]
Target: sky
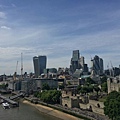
[(55, 28)]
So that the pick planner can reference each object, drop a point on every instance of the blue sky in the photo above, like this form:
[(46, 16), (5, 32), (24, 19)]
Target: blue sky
[(55, 28)]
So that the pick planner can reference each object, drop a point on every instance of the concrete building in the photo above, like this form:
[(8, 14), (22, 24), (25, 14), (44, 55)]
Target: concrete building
[(39, 65)]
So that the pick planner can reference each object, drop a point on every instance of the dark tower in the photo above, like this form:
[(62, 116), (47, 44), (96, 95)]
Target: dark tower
[(39, 64)]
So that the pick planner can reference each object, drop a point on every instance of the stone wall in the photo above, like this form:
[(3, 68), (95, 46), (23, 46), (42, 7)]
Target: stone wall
[(95, 107), (113, 84)]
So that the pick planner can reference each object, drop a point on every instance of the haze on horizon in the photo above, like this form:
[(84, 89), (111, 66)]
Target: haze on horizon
[(55, 28)]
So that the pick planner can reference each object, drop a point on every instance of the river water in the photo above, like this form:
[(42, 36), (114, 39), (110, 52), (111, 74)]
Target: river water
[(23, 112)]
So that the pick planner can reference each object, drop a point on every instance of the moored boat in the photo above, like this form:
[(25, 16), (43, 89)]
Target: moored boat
[(6, 105)]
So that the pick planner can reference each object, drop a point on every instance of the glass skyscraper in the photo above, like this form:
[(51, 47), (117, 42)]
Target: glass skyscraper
[(39, 65)]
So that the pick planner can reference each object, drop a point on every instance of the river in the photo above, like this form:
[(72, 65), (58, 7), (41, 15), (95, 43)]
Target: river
[(23, 112)]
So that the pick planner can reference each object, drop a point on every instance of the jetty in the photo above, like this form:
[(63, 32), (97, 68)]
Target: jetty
[(10, 99)]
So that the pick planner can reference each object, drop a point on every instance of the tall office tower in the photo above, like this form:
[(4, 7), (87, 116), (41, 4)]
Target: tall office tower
[(39, 64), (78, 62), (75, 61), (82, 61), (101, 66), (97, 65)]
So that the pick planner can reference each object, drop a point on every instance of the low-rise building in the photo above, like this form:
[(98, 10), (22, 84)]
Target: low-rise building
[(14, 85), (53, 83), (28, 85)]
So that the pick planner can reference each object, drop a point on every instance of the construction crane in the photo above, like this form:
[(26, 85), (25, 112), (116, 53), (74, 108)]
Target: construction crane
[(112, 69), (21, 66), (15, 74)]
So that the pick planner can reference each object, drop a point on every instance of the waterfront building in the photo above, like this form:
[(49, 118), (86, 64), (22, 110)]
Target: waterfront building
[(28, 85), (39, 65), (53, 83), (14, 85)]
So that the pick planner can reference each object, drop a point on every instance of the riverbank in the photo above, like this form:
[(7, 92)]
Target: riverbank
[(52, 112)]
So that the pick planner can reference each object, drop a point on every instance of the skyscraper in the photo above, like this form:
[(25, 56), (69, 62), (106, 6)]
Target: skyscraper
[(39, 64), (97, 65), (75, 60), (78, 62)]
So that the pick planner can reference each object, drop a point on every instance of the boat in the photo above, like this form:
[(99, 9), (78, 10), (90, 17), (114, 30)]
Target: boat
[(6, 105)]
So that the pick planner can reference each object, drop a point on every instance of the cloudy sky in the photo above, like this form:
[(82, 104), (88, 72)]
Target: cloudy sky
[(55, 28)]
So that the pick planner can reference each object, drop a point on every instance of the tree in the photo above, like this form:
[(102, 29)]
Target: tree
[(45, 86), (79, 87), (103, 79), (97, 89), (104, 87), (112, 105), (50, 96), (90, 81)]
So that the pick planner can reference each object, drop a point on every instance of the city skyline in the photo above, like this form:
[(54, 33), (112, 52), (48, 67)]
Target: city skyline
[(56, 28)]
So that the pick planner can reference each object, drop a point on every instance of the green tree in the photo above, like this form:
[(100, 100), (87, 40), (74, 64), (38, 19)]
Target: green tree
[(104, 87), (97, 89), (112, 105), (89, 81), (50, 96), (103, 79), (79, 88), (45, 86)]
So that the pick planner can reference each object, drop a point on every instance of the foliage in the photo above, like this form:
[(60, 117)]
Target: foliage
[(3, 86), (97, 89), (112, 106), (104, 87), (103, 79), (104, 84), (85, 89), (69, 83), (50, 96), (79, 87), (89, 81), (45, 86)]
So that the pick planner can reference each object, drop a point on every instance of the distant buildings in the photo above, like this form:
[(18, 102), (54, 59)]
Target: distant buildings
[(39, 65), (114, 71), (97, 66), (78, 62)]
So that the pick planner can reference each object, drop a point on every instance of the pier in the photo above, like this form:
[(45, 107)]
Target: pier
[(13, 103)]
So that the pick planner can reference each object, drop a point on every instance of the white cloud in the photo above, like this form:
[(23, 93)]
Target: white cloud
[(5, 27)]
